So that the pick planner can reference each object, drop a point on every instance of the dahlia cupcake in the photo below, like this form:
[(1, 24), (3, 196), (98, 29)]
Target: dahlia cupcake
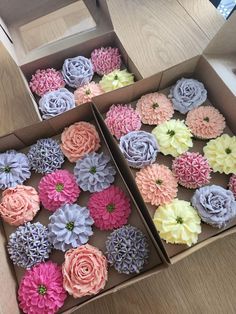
[(127, 250), (78, 140), (221, 154), (85, 93), (58, 188), (173, 137), (157, 184), (192, 170), (232, 184), (109, 208), (122, 119), (41, 289), (178, 222), (116, 79), (105, 60), (205, 122), (84, 271), (19, 205), (154, 108)]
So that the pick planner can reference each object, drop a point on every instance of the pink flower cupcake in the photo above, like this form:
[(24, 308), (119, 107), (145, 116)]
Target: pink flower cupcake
[(58, 188), (86, 92), (105, 60), (109, 208), (154, 108), (232, 184)]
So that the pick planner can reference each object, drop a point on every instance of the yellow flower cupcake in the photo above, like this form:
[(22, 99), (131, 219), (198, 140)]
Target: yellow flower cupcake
[(116, 79)]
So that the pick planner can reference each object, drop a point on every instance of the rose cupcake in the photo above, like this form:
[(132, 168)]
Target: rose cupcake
[(85, 93), (105, 60), (116, 79)]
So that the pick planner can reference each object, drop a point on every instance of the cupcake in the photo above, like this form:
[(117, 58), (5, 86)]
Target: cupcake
[(109, 208), (187, 94), (154, 108), (19, 205), (221, 154), (116, 79), (70, 227), (77, 71), (156, 184), (14, 169), (84, 271), (232, 184), (44, 81), (205, 122), (29, 245), (191, 170), (58, 188), (127, 250), (139, 148), (94, 172), (86, 92), (41, 289), (45, 156), (105, 60), (173, 137), (122, 119), (79, 139), (178, 222), (215, 205)]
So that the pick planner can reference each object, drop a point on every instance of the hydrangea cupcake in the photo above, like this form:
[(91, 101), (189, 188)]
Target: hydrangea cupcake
[(45, 156), (232, 184), (157, 184), (215, 205), (192, 170), (58, 188), (173, 137), (154, 108), (14, 169), (139, 148), (44, 81), (70, 226), (178, 222), (122, 119), (54, 103), (109, 208), (127, 250), (41, 289), (19, 205), (84, 271), (105, 60), (205, 122), (94, 172), (221, 154), (116, 79), (29, 245), (78, 140), (187, 94), (77, 71), (85, 93)]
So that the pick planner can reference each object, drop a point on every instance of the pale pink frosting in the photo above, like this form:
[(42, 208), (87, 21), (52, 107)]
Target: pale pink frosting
[(154, 108), (19, 204), (157, 184), (85, 93), (84, 271), (205, 122), (79, 139), (232, 184)]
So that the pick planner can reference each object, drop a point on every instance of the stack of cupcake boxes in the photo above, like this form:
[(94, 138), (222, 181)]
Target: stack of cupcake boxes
[(119, 178)]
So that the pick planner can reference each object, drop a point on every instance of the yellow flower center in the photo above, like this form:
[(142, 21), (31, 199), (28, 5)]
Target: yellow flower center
[(155, 105), (159, 182), (206, 119), (88, 92), (171, 132), (179, 220), (59, 187), (228, 151)]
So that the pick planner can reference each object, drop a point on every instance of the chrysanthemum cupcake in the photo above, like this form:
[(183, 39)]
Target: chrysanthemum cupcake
[(86, 92), (116, 79), (105, 60)]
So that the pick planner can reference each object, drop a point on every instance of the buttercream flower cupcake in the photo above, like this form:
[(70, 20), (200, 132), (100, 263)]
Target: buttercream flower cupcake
[(139, 148), (192, 170), (105, 60), (187, 94), (86, 92), (58, 188), (116, 79), (109, 208), (232, 184), (19, 205), (84, 271), (41, 289), (215, 205), (178, 222), (122, 119), (221, 154), (205, 122), (173, 137), (78, 140), (154, 108), (157, 184)]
